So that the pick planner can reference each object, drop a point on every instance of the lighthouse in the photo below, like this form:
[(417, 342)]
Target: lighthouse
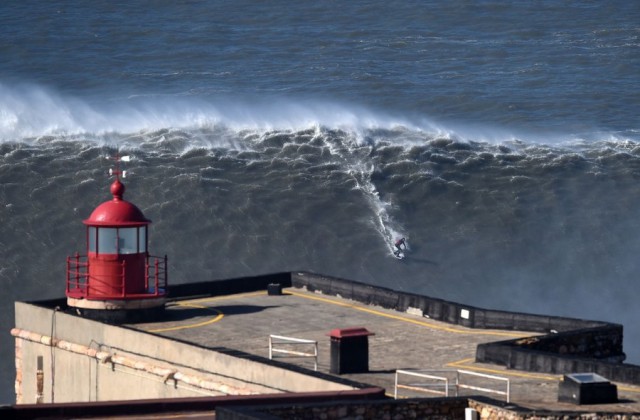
[(116, 279)]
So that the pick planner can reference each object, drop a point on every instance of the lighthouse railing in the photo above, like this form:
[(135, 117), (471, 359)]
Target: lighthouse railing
[(77, 274), (79, 284), (156, 275)]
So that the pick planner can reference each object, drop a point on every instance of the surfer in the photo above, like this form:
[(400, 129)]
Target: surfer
[(400, 245)]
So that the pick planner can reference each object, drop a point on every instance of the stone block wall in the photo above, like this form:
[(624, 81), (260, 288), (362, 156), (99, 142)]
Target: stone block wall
[(436, 408), (424, 408)]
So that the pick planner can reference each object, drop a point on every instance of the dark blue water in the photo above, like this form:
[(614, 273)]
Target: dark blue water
[(501, 138)]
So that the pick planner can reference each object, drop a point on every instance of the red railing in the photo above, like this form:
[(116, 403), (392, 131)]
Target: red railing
[(77, 275), (158, 272), (81, 285)]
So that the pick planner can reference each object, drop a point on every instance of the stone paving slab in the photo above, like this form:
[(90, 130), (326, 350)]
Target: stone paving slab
[(400, 341)]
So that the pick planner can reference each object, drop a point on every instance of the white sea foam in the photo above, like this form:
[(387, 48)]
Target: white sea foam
[(28, 112)]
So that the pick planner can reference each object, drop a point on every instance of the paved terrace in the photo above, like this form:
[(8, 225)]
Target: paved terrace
[(243, 322)]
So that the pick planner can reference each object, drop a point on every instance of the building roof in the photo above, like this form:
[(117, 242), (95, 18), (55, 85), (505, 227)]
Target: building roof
[(238, 317)]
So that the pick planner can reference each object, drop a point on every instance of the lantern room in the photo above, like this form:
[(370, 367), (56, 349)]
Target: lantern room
[(116, 273)]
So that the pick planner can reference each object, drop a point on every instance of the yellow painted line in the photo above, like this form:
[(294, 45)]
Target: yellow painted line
[(629, 389), (214, 298), (199, 324), (193, 304), (462, 364), (411, 321)]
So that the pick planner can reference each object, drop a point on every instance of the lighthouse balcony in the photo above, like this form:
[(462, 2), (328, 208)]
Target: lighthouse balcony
[(114, 281)]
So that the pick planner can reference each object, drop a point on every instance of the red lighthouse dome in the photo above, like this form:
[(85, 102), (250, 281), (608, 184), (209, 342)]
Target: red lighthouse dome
[(117, 275), (117, 212)]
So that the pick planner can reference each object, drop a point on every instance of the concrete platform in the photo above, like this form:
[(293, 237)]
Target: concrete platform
[(244, 322)]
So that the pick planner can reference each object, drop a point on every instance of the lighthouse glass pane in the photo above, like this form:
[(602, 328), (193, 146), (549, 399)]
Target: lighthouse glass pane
[(107, 240), (92, 239), (128, 240), (142, 238)]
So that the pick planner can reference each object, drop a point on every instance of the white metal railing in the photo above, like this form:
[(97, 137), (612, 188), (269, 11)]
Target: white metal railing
[(290, 341), (442, 383), (421, 387), (506, 393)]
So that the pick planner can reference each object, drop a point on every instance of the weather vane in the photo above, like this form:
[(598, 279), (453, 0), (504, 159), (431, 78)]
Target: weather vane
[(117, 172)]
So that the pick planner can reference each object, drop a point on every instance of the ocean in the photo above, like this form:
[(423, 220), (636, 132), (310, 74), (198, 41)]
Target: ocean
[(500, 138)]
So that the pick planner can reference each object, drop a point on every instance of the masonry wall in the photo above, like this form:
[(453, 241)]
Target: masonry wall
[(449, 408), (438, 309), (168, 408), (426, 408)]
